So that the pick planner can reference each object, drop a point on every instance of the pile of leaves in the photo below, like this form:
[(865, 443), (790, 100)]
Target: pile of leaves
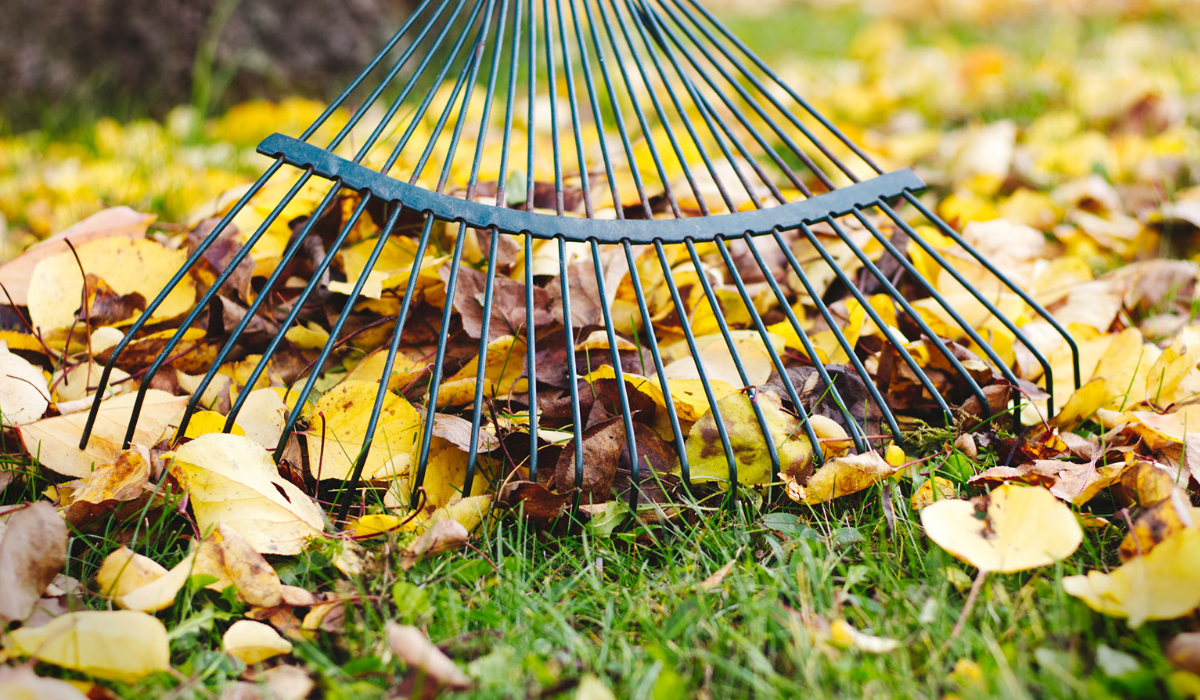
[(1093, 207)]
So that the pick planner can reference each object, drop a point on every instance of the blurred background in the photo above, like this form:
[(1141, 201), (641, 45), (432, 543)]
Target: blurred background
[(158, 104)]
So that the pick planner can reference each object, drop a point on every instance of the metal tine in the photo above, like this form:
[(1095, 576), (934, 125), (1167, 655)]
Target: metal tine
[(647, 323), (297, 411), (489, 288), (829, 126), (709, 115), (895, 342), (643, 123), (691, 247), (456, 260), (581, 162), (784, 376), (205, 244), (958, 276), (530, 182), (402, 317), (737, 110), (297, 307), (949, 231), (393, 349), (894, 293), (823, 309), (680, 308), (941, 301), (703, 151), (857, 433), (635, 473), (572, 370)]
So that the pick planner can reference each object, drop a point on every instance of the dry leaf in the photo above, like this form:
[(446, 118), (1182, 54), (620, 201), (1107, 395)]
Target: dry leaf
[(1013, 528), (935, 488), (119, 645), (54, 442), (412, 647), (127, 479), (124, 571), (839, 477), (1184, 651), (844, 635), (444, 535), (24, 394), (21, 683), (231, 479), (338, 424), (228, 557), (251, 642), (1163, 585), (33, 549), (160, 593)]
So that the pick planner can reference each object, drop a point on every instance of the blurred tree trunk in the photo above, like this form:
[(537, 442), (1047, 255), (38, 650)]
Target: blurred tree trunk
[(141, 55)]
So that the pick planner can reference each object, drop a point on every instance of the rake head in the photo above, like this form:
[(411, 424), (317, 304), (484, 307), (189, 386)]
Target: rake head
[(562, 194)]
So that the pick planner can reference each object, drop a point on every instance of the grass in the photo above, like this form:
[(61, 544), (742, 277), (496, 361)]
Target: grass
[(529, 612)]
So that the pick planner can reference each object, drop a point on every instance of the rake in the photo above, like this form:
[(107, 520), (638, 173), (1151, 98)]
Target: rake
[(666, 134)]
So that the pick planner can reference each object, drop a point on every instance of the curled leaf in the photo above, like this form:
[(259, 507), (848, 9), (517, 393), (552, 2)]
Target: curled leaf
[(251, 642)]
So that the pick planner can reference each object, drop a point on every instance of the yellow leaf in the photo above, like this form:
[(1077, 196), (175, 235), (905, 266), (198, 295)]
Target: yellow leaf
[(205, 422), (233, 561), (21, 683), (338, 425), (502, 377), (934, 489), (1013, 528), (124, 571), (160, 593), (120, 645), (251, 642), (839, 477), (1163, 585), (1173, 365), (231, 479), (127, 265), (1082, 404), (706, 454), (844, 635), (55, 441), (262, 417)]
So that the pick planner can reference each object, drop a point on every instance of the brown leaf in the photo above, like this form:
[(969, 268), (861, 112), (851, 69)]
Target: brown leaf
[(412, 647), (1155, 525), (602, 444), (33, 549), (1184, 651), (444, 535), (508, 304), (126, 479), (233, 561), (537, 501)]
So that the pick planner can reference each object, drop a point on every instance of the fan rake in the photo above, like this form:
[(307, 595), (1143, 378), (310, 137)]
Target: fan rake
[(671, 147)]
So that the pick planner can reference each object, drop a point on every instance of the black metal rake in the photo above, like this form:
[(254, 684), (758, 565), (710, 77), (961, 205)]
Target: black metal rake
[(661, 78)]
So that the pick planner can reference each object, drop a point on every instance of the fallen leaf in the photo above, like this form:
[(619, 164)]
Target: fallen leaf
[(592, 688), (338, 423), (839, 477), (231, 479), (935, 488), (411, 646), (252, 642), (1163, 585), (119, 645), (54, 442), (33, 549), (125, 480), (844, 635), (502, 377), (1013, 528), (124, 571), (233, 561), (160, 593), (706, 455), (1156, 524), (717, 577), (444, 535), (24, 394), (128, 265), (1184, 651), (21, 683), (116, 222)]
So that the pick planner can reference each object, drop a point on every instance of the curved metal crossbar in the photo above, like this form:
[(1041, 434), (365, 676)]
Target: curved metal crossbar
[(673, 149)]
